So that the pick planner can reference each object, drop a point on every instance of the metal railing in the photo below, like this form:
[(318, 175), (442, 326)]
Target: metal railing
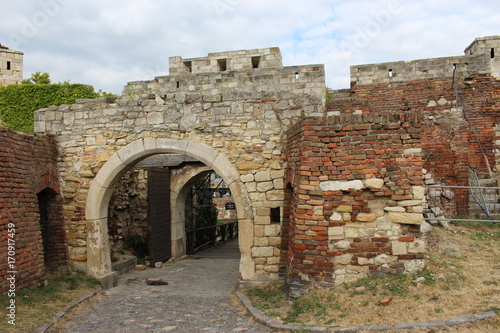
[(209, 236), (462, 203)]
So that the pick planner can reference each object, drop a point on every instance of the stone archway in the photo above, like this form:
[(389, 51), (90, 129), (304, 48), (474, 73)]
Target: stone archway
[(101, 189)]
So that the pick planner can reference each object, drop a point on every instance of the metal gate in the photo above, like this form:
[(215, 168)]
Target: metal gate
[(201, 233), (159, 215), (203, 229)]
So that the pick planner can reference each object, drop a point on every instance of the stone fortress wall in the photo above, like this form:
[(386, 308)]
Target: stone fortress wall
[(241, 114), (345, 174), (479, 58)]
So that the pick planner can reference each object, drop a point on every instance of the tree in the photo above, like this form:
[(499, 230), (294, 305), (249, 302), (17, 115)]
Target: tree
[(38, 78)]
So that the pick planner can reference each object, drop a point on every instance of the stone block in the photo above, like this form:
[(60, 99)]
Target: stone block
[(417, 246), (202, 152), (351, 233), (366, 217), (342, 244), (262, 251), (414, 265), (399, 248), (262, 176), (374, 183), (224, 167), (336, 231), (261, 241), (395, 209), (336, 217), (262, 220), (406, 218), (408, 203), (331, 186), (275, 195), (272, 230), (264, 186), (247, 178), (249, 165), (418, 192), (344, 208), (343, 259)]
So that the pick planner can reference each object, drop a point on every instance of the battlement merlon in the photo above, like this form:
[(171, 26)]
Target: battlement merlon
[(227, 61), (481, 57)]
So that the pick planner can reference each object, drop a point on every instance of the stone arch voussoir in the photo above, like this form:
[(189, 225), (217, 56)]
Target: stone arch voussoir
[(102, 186)]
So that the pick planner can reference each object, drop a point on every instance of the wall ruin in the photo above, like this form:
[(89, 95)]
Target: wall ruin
[(239, 115), (357, 199), (32, 231), (345, 179)]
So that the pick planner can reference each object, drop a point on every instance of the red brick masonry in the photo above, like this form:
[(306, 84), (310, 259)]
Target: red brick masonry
[(29, 180)]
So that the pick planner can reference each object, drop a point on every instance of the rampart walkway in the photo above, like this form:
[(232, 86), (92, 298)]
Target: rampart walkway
[(196, 299)]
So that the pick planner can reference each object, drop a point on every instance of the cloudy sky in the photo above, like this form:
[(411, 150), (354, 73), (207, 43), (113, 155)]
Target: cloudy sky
[(109, 43)]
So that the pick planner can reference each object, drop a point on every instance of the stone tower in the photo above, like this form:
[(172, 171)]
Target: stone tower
[(489, 46), (11, 66)]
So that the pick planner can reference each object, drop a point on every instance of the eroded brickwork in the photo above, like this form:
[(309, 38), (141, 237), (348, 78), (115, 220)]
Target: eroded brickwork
[(357, 198), (27, 169)]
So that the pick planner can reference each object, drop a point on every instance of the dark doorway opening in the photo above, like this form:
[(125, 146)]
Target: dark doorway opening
[(55, 249)]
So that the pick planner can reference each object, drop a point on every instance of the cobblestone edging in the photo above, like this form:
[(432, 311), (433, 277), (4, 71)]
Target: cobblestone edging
[(262, 319), (63, 312)]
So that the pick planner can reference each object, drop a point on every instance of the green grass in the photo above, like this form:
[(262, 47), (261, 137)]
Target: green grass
[(37, 307), (267, 296)]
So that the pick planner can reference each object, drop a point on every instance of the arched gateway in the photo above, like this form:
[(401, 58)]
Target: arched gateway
[(353, 204), (101, 188), (232, 118)]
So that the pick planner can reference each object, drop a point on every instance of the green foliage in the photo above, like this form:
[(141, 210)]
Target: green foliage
[(67, 280), (38, 78), (267, 296), (475, 225), (18, 102)]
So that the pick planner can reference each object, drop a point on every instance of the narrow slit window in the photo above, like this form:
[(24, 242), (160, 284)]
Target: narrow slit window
[(178, 84), (189, 66), (492, 53), (390, 73), (275, 215), (255, 62), (222, 64), (296, 76), (8, 65)]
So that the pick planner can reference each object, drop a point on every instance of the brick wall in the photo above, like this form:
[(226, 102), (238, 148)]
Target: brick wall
[(356, 201), (449, 142), (30, 202)]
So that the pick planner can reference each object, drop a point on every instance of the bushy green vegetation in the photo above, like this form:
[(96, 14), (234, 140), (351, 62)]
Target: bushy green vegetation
[(18, 102)]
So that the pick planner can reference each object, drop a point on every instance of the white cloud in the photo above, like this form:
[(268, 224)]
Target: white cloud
[(108, 43)]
